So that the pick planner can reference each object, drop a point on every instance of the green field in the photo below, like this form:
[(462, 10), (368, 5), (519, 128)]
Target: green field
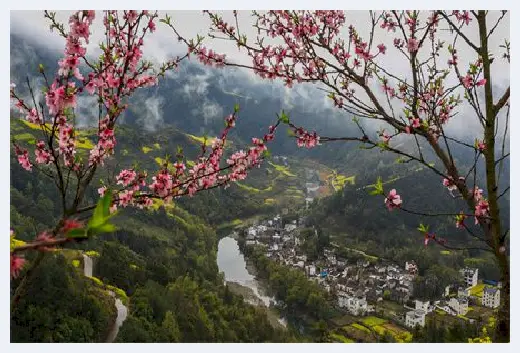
[(373, 321)]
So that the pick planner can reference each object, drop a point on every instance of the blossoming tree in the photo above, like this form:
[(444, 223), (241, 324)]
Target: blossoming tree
[(112, 78), (415, 104)]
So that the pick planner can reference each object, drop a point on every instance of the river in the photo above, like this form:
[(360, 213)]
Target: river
[(122, 310), (231, 262)]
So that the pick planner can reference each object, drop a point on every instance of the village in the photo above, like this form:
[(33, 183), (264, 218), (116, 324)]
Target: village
[(362, 287)]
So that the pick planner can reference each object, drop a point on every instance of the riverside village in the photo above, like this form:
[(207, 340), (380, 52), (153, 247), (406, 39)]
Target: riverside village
[(370, 287)]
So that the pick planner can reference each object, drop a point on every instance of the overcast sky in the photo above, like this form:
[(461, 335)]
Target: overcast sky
[(163, 44)]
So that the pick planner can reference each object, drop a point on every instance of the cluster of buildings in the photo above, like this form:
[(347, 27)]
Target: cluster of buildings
[(358, 287)]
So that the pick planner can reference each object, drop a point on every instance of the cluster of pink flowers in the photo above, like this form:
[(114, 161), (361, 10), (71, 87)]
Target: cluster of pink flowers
[(388, 22), (105, 145), (450, 184), (305, 138), (469, 82), (42, 154), (33, 116), (432, 236), (210, 58), (126, 177), (412, 45), (17, 264), (206, 173), (480, 145), (23, 158), (462, 16), (482, 205), (393, 200)]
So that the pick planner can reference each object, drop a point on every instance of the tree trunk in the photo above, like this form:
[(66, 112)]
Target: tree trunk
[(503, 328)]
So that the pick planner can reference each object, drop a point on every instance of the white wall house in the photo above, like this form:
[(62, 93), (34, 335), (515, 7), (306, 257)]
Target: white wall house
[(422, 305), (459, 305), (463, 292), (415, 317), (491, 297), (355, 305), (470, 276)]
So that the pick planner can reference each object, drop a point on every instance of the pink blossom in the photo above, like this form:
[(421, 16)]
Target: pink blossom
[(481, 82), (126, 177), (306, 139), (180, 167), (69, 64), (162, 184), (481, 146), (382, 48), (17, 264), (42, 155), (125, 198), (481, 210), (413, 45), (23, 159), (467, 81), (101, 191), (70, 224), (151, 25), (416, 123), (393, 200), (33, 116)]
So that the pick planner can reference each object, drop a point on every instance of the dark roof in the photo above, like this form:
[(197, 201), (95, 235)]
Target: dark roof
[(490, 290)]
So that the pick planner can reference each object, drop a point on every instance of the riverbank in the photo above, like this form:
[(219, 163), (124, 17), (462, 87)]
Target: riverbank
[(240, 276), (116, 293), (250, 297)]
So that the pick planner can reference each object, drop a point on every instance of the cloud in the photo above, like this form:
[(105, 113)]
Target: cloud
[(152, 117), (305, 98)]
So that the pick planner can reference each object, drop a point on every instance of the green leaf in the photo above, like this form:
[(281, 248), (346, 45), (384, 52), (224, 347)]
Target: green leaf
[(77, 233), (422, 228), (237, 108), (284, 118), (105, 228), (101, 212), (266, 154)]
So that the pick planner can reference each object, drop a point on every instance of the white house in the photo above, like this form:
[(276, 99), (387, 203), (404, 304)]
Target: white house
[(459, 305), (311, 270), (420, 305), (411, 267), (491, 297), (463, 292), (415, 317), (355, 305), (470, 276)]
